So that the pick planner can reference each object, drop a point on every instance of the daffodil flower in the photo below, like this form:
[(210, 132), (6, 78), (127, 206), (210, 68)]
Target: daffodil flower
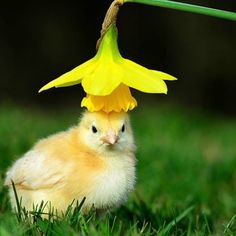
[(106, 78)]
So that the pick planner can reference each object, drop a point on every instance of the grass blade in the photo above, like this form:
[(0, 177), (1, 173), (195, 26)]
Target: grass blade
[(227, 230), (174, 222), (19, 215), (188, 8)]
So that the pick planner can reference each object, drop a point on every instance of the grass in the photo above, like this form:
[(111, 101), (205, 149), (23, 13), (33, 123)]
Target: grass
[(186, 177)]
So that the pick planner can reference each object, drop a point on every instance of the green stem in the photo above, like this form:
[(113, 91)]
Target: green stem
[(189, 8)]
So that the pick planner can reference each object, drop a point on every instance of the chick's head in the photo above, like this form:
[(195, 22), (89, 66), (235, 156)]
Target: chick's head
[(107, 132)]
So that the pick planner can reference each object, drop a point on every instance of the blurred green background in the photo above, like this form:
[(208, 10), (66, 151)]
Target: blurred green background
[(42, 40)]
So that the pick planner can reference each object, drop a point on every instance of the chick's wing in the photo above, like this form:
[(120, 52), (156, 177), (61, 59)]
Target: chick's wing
[(34, 171)]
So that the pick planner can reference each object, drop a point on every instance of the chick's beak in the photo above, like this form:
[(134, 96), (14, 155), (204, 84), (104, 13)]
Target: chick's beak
[(110, 137)]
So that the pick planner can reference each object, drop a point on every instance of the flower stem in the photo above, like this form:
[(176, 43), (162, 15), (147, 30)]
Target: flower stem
[(189, 8), (110, 18)]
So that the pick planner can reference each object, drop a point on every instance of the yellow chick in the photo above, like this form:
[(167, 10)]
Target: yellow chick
[(94, 160)]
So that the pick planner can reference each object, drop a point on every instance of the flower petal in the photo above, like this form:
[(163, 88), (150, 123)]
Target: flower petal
[(72, 77), (104, 79), (163, 75), (140, 78)]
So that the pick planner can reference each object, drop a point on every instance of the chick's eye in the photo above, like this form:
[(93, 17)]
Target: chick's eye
[(94, 129), (123, 128)]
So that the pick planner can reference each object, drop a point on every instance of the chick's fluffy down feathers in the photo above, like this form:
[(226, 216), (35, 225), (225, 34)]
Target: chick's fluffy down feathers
[(94, 160)]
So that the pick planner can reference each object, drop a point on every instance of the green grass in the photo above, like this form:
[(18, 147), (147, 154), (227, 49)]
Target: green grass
[(186, 176)]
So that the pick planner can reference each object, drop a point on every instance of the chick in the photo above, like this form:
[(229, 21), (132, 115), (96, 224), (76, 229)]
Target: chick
[(94, 160)]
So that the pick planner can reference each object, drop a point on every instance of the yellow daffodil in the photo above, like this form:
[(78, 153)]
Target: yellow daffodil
[(106, 78)]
